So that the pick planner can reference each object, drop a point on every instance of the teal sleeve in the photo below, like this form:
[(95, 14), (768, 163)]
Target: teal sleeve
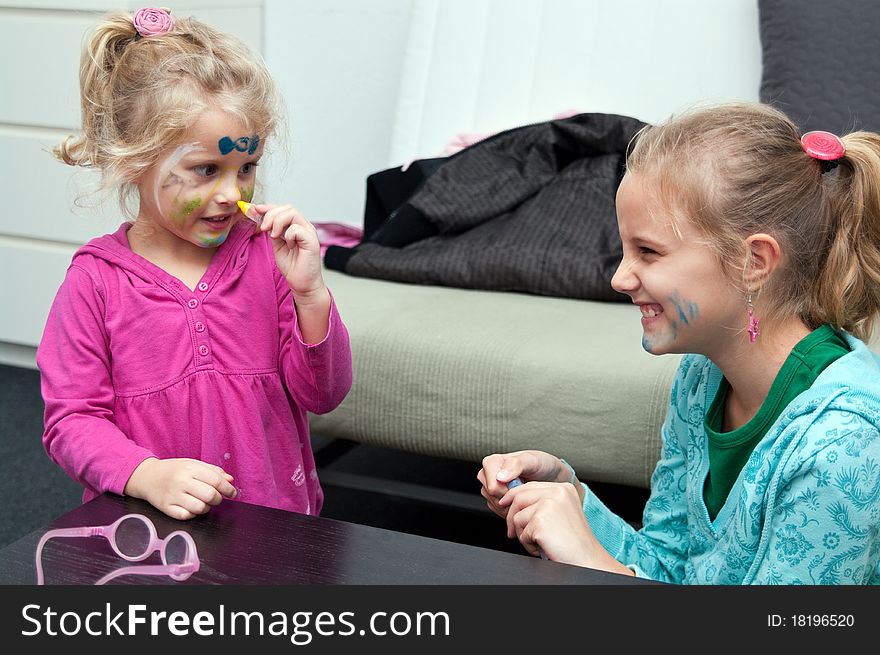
[(824, 527), (659, 550)]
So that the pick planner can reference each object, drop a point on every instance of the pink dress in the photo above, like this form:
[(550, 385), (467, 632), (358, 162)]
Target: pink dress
[(134, 364)]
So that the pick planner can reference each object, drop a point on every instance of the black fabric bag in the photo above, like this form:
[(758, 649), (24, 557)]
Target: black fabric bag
[(389, 189), (530, 209)]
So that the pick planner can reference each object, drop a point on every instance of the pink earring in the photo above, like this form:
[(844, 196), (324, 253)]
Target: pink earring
[(753, 322)]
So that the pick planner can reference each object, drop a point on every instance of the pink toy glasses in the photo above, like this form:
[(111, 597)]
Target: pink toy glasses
[(133, 537)]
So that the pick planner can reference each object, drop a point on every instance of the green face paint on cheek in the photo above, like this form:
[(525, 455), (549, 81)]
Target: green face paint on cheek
[(188, 208), (247, 194)]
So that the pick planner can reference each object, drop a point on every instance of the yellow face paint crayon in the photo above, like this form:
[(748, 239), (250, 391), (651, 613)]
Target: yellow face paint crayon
[(245, 208)]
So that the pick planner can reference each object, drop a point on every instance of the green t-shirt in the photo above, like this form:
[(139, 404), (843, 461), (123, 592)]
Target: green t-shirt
[(729, 451)]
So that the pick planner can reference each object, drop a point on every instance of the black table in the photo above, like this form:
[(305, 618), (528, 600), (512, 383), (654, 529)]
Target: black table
[(246, 544)]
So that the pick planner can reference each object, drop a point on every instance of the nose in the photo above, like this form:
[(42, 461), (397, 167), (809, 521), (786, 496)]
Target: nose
[(227, 191), (624, 279)]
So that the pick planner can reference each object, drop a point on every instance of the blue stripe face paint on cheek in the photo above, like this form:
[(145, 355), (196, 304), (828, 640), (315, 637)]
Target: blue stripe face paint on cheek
[(687, 311)]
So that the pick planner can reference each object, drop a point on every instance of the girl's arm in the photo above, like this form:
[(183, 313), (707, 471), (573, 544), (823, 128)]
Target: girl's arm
[(318, 375), (824, 524), (314, 352), (80, 434), (659, 549)]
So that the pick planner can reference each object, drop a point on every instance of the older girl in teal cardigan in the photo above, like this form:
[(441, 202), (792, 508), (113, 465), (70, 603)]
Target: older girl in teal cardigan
[(755, 250)]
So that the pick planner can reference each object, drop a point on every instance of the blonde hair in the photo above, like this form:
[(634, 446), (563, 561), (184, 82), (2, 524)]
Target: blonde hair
[(739, 169), (139, 95)]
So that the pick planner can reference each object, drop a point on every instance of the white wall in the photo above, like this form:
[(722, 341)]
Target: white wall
[(369, 84), (40, 42), (486, 65), (338, 63), (376, 83)]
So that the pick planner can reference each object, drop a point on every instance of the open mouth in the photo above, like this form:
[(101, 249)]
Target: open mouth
[(218, 222), (650, 311)]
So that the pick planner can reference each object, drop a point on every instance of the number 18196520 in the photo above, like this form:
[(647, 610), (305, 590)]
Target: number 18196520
[(810, 621)]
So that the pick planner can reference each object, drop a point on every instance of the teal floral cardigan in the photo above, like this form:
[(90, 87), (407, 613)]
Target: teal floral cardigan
[(805, 508)]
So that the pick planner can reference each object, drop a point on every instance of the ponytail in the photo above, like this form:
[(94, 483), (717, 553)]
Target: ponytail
[(141, 94), (104, 49), (739, 169), (847, 292)]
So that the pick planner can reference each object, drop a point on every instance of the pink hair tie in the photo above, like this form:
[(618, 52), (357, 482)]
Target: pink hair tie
[(824, 146), (153, 21)]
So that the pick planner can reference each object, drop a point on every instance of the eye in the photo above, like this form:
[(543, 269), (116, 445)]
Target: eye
[(644, 250), (248, 169), (206, 170)]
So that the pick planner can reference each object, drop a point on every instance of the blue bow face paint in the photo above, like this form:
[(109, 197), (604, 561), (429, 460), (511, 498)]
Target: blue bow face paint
[(248, 144), (192, 190)]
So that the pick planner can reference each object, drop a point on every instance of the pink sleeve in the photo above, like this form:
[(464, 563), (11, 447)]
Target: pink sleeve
[(80, 433), (318, 376)]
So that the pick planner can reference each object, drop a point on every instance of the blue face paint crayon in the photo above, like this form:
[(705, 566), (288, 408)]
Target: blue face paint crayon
[(513, 484)]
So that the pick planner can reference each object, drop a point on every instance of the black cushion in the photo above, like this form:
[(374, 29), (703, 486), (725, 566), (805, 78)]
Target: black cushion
[(821, 62)]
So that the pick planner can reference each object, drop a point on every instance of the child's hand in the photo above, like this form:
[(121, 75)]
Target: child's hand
[(546, 514), (181, 488), (499, 470), (298, 256), (297, 250), (548, 518)]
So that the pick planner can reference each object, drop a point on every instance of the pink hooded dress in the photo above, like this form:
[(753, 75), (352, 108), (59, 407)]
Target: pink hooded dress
[(134, 364)]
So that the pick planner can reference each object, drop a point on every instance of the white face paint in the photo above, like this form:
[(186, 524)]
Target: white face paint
[(192, 188), (172, 161)]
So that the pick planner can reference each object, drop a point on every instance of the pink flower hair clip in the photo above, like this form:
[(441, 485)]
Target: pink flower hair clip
[(824, 146), (153, 21)]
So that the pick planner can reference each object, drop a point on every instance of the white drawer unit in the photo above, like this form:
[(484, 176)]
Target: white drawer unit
[(48, 212)]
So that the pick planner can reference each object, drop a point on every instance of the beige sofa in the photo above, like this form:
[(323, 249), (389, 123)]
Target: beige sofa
[(461, 374)]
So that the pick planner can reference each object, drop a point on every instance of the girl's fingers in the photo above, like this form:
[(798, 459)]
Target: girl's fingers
[(525, 524), (295, 234), (522, 499), (178, 512), (277, 219), (521, 520), (489, 474), (492, 503), (271, 218), (218, 469), (193, 505), (217, 479), (514, 507), (481, 477), (204, 492), (301, 220)]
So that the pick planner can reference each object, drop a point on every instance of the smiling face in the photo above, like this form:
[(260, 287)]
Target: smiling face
[(192, 192), (688, 304)]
